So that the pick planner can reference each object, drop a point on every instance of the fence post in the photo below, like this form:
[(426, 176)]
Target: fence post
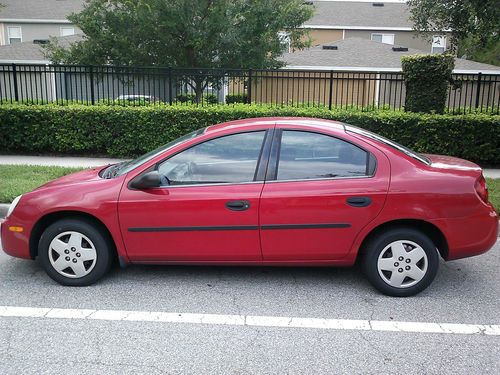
[(170, 85), (478, 90), (249, 88), (331, 91), (14, 79), (92, 96)]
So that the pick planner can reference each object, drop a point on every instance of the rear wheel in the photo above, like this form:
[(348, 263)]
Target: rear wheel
[(74, 252), (401, 262)]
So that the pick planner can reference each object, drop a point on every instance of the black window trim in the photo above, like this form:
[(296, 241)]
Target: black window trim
[(262, 159), (272, 171)]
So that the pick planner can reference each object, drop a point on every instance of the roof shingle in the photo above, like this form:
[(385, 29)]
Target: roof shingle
[(358, 54), (361, 14), (39, 9), (30, 52)]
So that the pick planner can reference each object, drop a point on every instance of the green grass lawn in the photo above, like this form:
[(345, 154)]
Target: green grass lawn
[(19, 179), (494, 192)]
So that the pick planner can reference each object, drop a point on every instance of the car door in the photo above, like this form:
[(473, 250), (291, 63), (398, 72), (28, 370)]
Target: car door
[(206, 208), (321, 190)]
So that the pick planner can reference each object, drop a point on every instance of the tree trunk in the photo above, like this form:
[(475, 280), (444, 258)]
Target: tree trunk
[(199, 91)]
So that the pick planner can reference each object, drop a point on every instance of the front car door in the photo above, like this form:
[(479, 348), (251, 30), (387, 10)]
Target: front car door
[(207, 207), (321, 190)]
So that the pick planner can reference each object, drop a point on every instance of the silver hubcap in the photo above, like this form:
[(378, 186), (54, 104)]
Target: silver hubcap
[(402, 264), (72, 254)]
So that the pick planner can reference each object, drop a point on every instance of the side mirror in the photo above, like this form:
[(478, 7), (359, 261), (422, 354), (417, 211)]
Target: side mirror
[(146, 181)]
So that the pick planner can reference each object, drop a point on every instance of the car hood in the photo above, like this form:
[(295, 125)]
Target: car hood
[(80, 177), (450, 162)]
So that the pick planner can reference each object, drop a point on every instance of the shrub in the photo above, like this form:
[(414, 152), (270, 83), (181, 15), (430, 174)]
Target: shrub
[(210, 98), (236, 98), (129, 131), (191, 99), (426, 80), (186, 98)]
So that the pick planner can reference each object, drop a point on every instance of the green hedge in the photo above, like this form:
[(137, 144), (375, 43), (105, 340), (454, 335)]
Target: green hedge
[(236, 98), (426, 80), (128, 131)]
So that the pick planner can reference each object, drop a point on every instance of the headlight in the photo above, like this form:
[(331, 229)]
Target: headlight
[(13, 205)]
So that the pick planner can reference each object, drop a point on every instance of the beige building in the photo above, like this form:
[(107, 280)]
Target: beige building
[(36, 21), (385, 22)]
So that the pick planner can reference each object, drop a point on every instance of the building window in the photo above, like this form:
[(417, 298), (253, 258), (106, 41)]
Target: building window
[(438, 44), (285, 40), (67, 31), (383, 38), (14, 34)]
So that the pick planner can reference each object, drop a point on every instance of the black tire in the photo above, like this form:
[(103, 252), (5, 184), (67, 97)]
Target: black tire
[(376, 246), (98, 241)]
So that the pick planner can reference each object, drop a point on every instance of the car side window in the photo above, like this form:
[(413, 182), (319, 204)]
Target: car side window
[(229, 159), (307, 155)]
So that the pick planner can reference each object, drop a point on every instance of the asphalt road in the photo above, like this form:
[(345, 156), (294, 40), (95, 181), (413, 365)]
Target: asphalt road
[(465, 291)]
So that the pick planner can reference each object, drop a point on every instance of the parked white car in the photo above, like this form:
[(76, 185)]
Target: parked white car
[(134, 97)]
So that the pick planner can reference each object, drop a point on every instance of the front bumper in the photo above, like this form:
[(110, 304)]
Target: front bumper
[(14, 243)]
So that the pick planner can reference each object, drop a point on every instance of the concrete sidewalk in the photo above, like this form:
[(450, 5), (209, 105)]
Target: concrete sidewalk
[(491, 173), (60, 161)]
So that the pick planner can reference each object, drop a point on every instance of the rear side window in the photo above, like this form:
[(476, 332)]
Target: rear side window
[(307, 155)]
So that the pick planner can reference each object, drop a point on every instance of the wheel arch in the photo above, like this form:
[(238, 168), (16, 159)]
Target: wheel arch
[(48, 219), (434, 233)]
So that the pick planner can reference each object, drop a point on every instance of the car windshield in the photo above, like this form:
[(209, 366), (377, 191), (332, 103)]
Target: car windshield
[(127, 166), (388, 142)]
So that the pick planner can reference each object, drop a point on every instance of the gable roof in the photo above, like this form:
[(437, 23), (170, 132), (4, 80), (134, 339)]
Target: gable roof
[(26, 10), (32, 53), (348, 14), (356, 54)]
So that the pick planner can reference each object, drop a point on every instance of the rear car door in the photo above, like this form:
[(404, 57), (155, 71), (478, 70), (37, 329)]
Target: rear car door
[(320, 191)]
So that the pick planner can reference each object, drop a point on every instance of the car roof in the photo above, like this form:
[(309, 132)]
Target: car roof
[(266, 122)]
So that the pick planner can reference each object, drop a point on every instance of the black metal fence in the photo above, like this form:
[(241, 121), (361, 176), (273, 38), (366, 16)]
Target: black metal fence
[(95, 85)]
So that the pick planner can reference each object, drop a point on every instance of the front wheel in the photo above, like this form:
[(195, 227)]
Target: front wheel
[(401, 262), (74, 252)]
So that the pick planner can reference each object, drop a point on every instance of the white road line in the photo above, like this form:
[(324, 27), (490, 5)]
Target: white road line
[(250, 320)]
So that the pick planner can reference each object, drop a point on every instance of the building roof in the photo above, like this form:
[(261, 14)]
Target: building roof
[(356, 15), (356, 54), (30, 52), (38, 10)]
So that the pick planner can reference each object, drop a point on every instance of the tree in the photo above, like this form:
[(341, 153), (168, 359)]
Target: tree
[(185, 33), (474, 24), (489, 53)]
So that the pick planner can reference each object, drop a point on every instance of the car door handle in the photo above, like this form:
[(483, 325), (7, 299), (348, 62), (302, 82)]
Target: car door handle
[(359, 201), (238, 205)]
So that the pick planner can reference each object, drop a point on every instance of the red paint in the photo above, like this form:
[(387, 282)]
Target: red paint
[(442, 194)]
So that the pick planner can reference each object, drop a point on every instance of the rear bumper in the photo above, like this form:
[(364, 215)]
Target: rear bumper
[(471, 235)]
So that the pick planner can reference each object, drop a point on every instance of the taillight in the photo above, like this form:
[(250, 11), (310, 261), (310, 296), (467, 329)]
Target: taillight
[(482, 189)]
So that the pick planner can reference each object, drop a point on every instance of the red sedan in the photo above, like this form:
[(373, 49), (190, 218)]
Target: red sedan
[(270, 191)]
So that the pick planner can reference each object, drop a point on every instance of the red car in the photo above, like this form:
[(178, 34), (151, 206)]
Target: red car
[(270, 191)]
